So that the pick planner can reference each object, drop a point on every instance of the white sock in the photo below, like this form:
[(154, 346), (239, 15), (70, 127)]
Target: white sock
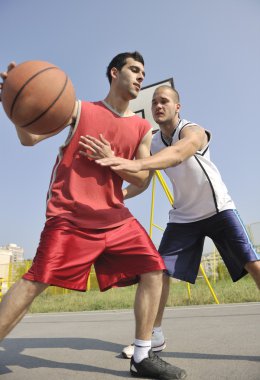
[(141, 349)]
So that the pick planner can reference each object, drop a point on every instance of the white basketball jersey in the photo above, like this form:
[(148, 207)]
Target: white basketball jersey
[(199, 191)]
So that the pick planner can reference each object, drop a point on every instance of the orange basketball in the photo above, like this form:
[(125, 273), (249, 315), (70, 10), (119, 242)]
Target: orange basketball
[(38, 96)]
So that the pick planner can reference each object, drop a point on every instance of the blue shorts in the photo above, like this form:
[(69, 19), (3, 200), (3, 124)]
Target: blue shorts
[(182, 245)]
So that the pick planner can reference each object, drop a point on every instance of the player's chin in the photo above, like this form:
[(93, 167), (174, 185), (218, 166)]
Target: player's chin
[(133, 94), (157, 119)]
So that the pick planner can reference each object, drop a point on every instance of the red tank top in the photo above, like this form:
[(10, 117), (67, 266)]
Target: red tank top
[(82, 191)]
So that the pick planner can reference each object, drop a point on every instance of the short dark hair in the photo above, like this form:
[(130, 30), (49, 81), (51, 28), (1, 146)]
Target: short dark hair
[(120, 60)]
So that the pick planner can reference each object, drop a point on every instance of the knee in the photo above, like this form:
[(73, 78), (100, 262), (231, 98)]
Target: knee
[(149, 278), (253, 267), (31, 289)]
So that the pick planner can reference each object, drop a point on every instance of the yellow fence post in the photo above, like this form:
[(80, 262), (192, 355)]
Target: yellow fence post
[(209, 285), (89, 280), (189, 291), (1, 289), (215, 265), (10, 275), (152, 208)]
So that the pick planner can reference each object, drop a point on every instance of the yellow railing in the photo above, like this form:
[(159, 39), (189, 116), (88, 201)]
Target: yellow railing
[(12, 272), (1, 289)]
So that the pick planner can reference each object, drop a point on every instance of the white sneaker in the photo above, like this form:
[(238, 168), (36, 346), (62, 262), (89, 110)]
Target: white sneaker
[(158, 344), (128, 351)]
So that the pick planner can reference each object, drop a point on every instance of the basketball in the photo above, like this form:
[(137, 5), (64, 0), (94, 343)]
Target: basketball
[(38, 96)]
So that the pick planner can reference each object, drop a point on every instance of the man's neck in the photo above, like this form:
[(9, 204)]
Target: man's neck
[(118, 105), (168, 128)]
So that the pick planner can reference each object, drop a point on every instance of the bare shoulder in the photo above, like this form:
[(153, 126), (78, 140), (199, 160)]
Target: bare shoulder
[(191, 129), (195, 134), (144, 147)]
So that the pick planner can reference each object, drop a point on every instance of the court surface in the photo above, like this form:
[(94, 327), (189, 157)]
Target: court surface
[(211, 342)]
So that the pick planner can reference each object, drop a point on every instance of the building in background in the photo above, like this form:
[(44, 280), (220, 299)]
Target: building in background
[(9, 254), (13, 251)]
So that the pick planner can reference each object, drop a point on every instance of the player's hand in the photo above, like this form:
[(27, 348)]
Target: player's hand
[(93, 148), (119, 163), (4, 75)]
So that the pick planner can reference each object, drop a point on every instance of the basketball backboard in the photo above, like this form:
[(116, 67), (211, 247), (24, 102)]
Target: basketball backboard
[(142, 104)]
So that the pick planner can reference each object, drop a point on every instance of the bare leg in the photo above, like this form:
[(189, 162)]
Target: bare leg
[(144, 362), (163, 301), (254, 269), (16, 303), (146, 305)]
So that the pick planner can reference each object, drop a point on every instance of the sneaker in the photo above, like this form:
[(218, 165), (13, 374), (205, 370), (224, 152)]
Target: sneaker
[(158, 342), (128, 351), (154, 367), (157, 346)]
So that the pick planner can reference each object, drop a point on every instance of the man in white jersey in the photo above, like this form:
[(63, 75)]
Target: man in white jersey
[(202, 206)]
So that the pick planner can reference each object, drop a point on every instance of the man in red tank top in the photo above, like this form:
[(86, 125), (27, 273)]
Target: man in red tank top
[(87, 222)]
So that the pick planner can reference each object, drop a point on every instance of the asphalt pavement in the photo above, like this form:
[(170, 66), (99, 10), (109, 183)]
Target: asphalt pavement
[(211, 342)]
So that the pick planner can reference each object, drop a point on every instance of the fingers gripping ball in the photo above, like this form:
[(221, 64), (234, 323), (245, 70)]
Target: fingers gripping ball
[(38, 96)]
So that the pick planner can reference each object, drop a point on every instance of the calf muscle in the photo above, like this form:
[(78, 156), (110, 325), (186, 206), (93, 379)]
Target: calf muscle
[(16, 303)]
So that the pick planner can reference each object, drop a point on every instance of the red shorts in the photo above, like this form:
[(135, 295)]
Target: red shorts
[(66, 253)]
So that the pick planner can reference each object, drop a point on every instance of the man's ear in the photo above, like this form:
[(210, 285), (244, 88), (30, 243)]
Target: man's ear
[(114, 72)]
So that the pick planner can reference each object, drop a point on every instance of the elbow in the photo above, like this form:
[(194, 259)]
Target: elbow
[(137, 182), (30, 140), (142, 184), (141, 180), (144, 180), (28, 143)]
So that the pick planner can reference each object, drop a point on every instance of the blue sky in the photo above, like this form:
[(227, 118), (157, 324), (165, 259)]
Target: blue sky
[(210, 48)]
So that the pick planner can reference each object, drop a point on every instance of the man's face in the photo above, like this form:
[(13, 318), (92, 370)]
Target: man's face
[(164, 106), (129, 79)]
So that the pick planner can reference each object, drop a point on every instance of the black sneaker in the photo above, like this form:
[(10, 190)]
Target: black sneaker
[(154, 367)]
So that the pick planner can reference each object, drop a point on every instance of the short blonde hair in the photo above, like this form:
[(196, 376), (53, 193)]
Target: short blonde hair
[(175, 93)]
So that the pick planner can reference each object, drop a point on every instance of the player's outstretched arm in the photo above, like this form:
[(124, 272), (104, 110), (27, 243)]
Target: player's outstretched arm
[(192, 140)]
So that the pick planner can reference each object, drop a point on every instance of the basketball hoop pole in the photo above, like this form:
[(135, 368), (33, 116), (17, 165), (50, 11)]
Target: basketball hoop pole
[(171, 200)]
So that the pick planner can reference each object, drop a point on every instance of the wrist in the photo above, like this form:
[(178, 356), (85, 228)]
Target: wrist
[(142, 164)]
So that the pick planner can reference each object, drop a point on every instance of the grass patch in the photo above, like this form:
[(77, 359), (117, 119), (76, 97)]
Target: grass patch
[(123, 298)]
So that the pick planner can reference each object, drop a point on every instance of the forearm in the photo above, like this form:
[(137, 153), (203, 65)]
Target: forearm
[(30, 139), (171, 156), (167, 157), (192, 139), (137, 179), (132, 191)]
